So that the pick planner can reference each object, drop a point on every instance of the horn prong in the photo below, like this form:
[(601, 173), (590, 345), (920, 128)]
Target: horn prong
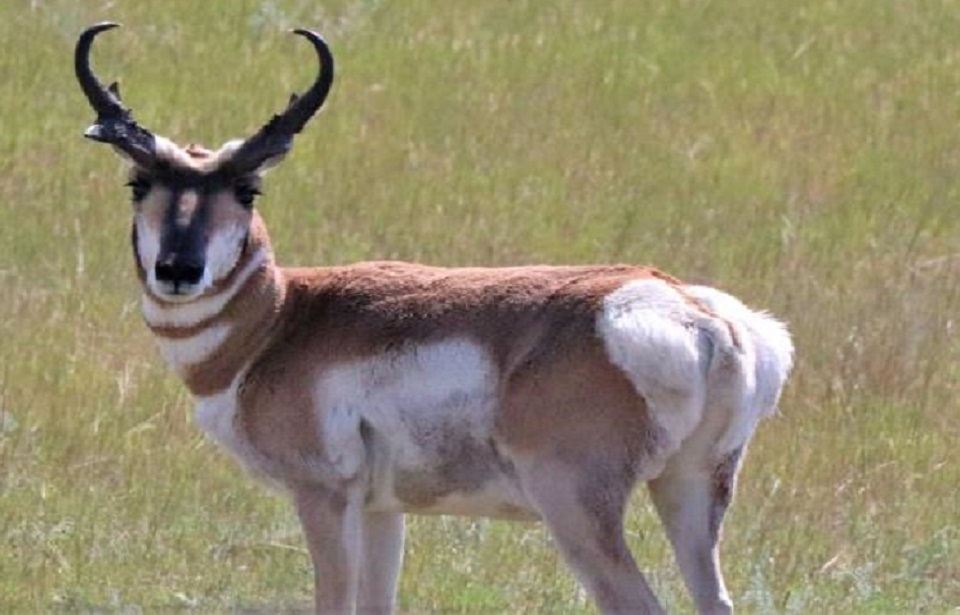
[(114, 124), (276, 136)]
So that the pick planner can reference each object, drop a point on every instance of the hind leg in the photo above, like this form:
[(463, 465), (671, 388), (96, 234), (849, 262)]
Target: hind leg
[(691, 502), (584, 514), (382, 559)]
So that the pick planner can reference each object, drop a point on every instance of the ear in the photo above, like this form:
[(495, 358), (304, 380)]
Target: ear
[(125, 156), (164, 152), (226, 158), (269, 162)]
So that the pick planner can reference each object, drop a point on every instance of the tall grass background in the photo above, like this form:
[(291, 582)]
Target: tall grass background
[(802, 155)]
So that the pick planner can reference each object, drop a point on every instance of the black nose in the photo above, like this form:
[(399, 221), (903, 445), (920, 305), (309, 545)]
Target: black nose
[(178, 270)]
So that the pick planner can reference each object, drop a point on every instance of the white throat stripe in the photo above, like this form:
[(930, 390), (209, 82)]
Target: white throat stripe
[(194, 312)]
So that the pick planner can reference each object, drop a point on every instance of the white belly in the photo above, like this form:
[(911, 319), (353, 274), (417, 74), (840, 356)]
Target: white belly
[(427, 417)]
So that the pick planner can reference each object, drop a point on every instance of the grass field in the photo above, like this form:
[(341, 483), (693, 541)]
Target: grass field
[(802, 155)]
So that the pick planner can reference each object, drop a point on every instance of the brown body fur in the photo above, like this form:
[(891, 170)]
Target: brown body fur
[(565, 385), (538, 323)]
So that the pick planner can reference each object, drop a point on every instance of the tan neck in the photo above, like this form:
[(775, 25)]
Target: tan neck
[(210, 341)]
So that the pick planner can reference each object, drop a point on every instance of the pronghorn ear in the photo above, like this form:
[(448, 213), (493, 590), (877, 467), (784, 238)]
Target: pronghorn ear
[(164, 150), (125, 156), (270, 162), (228, 160)]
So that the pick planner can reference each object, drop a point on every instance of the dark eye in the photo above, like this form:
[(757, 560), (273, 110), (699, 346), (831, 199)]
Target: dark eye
[(139, 188), (246, 194)]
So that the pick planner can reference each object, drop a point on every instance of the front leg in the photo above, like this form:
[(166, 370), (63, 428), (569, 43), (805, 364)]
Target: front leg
[(331, 522)]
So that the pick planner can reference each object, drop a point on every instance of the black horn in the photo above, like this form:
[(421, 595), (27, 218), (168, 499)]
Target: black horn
[(115, 124), (276, 137)]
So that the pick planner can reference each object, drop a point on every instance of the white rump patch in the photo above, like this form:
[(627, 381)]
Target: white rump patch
[(767, 355), (721, 367), (651, 332)]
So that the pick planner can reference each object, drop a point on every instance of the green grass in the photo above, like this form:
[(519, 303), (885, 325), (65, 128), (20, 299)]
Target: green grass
[(804, 156)]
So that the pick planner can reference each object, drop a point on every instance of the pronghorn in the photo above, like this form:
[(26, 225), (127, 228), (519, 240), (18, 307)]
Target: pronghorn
[(377, 389)]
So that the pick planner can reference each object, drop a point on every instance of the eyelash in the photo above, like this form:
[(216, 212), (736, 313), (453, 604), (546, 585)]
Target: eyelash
[(139, 189), (246, 194)]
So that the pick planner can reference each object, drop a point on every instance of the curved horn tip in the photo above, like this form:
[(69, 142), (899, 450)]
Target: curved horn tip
[(97, 28), (309, 34)]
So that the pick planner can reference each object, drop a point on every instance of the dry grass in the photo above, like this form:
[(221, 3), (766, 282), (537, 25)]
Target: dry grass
[(803, 157)]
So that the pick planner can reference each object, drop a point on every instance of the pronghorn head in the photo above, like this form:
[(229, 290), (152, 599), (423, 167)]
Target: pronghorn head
[(193, 208)]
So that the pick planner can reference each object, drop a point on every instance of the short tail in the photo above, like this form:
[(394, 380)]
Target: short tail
[(767, 357)]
